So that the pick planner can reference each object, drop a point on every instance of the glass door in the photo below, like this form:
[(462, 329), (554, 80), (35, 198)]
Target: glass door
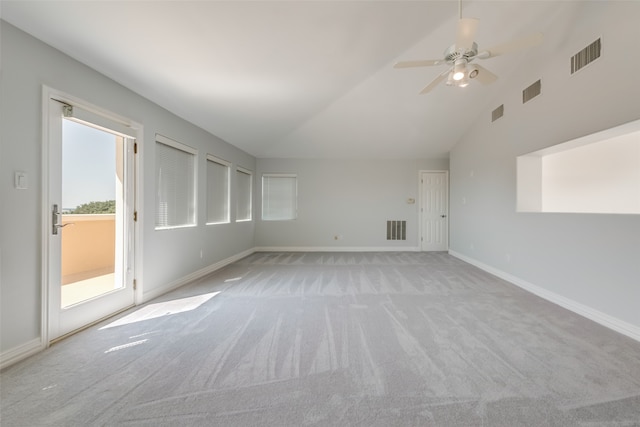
[(91, 235)]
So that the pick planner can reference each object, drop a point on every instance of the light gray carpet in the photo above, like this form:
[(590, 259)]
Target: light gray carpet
[(335, 339)]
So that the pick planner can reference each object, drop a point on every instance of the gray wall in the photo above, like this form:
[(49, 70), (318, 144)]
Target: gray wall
[(349, 197), (169, 255), (591, 259)]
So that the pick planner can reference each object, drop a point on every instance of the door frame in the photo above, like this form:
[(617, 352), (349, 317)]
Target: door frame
[(136, 128), (421, 202)]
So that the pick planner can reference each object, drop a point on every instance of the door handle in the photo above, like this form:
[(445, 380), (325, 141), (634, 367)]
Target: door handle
[(55, 217), (443, 216), (55, 220)]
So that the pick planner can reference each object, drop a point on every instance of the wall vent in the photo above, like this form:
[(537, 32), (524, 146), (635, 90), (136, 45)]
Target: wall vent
[(586, 56), (531, 92), (396, 230), (497, 113)]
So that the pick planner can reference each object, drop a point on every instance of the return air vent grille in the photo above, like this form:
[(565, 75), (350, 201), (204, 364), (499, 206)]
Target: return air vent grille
[(586, 56), (531, 92), (396, 230), (497, 113)]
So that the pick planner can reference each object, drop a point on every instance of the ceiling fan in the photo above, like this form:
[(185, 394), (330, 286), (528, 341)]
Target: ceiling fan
[(460, 56)]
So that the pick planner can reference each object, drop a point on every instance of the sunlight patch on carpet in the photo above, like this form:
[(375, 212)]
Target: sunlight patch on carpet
[(166, 308)]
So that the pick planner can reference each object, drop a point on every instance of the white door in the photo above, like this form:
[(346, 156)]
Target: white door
[(90, 218), (434, 210)]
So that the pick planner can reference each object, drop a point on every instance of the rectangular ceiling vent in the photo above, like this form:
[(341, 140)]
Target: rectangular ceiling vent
[(586, 56), (531, 92), (396, 230), (497, 113)]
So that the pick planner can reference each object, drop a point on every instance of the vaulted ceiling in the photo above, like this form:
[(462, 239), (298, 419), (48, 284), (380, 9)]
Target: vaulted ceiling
[(298, 79)]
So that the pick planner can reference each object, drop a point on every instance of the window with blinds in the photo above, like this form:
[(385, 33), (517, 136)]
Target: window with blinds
[(175, 184), (279, 197), (217, 190), (244, 179)]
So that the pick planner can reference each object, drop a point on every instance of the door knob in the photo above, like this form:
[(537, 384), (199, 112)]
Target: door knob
[(443, 216)]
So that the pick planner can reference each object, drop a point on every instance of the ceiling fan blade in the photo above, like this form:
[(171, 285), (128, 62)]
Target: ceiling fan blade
[(422, 63), (512, 46), (434, 82), (466, 34), (484, 76)]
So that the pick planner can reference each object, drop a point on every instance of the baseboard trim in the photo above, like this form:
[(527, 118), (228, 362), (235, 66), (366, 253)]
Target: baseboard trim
[(16, 354), (337, 249), (597, 316), (195, 275)]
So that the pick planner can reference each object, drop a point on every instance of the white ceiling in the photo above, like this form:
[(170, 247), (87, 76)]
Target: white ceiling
[(295, 79)]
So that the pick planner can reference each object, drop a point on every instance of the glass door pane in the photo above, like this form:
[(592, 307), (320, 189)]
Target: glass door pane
[(92, 191)]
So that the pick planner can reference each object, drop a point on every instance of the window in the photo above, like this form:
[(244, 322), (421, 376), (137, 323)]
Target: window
[(175, 184), (217, 190), (598, 173), (243, 200), (279, 197)]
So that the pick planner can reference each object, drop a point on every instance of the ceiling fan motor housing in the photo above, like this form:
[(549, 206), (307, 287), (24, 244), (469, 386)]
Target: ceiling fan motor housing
[(452, 54)]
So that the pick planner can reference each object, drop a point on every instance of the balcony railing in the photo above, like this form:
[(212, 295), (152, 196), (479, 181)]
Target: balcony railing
[(88, 246)]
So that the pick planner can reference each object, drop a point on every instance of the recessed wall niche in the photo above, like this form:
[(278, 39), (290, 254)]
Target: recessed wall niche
[(597, 173)]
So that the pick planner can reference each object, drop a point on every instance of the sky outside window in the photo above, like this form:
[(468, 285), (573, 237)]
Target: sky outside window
[(88, 165)]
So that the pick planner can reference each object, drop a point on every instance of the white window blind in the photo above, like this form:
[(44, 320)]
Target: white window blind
[(243, 200), (279, 197), (217, 190), (175, 184)]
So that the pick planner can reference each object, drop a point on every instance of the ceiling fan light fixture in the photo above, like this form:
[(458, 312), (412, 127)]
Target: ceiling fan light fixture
[(450, 81), (464, 82), (459, 69), (473, 72)]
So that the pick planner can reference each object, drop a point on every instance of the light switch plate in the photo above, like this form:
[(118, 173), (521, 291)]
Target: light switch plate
[(20, 180)]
